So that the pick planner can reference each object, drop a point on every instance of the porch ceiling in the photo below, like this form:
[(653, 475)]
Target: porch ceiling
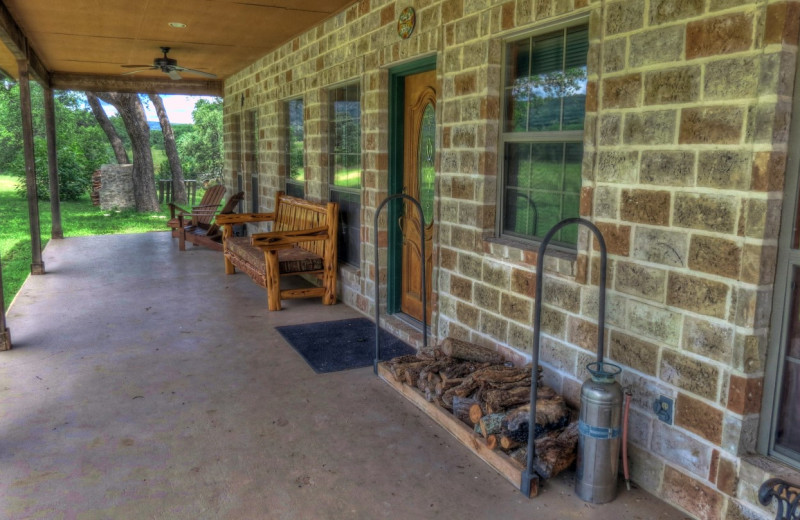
[(81, 43)]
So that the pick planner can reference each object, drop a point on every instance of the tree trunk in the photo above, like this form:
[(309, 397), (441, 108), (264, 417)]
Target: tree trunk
[(102, 119), (130, 109), (178, 187)]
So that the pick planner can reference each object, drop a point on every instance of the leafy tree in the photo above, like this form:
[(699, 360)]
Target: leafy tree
[(81, 145), (201, 149)]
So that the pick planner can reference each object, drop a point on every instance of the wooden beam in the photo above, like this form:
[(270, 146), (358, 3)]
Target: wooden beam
[(52, 163), (37, 265), (144, 85), (5, 336), (15, 40)]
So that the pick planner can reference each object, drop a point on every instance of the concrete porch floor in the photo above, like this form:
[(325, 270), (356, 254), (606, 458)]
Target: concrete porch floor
[(144, 383)]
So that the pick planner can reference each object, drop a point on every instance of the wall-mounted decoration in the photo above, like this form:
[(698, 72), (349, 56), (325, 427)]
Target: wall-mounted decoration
[(406, 22)]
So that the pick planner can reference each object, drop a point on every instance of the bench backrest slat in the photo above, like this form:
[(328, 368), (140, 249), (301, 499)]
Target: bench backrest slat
[(292, 213)]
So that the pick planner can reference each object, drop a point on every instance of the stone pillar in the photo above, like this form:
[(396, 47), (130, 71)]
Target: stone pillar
[(116, 191)]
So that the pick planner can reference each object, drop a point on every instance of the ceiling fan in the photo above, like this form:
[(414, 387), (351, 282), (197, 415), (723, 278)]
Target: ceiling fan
[(168, 66)]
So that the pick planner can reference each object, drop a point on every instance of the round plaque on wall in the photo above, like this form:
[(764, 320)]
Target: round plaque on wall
[(406, 22)]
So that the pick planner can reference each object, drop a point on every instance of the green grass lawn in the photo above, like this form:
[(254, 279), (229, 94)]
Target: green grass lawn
[(79, 218)]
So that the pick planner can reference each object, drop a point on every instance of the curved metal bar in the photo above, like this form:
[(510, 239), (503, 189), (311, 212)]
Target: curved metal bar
[(528, 475), (787, 495), (377, 275)]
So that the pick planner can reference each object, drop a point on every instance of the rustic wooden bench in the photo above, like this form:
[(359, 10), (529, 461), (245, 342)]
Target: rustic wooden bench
[(302, 242)]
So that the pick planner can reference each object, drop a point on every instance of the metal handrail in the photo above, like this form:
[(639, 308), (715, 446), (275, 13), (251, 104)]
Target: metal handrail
[(377, 275), (528, 476)]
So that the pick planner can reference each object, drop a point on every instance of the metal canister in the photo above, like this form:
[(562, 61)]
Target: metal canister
[(599, 434)]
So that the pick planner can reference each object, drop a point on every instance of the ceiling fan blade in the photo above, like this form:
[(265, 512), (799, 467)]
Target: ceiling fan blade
[(198, 72), (134, 66), (173, 74), (135, 71)]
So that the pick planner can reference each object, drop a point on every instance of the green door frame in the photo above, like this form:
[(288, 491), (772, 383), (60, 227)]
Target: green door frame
[(397, 77)]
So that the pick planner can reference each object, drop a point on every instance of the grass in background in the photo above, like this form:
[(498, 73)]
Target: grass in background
[(79, 218)]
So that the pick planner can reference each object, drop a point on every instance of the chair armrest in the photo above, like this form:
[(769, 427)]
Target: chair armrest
[(173, 208), (286, 239), (230, 219)]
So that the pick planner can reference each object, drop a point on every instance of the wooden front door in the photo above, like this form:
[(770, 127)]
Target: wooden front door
[(419, 152)]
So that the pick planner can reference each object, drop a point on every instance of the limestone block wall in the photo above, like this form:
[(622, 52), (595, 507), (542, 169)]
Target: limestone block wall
[(685, 146), (116, 189)]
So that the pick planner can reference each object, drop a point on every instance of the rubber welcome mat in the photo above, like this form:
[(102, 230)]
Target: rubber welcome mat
[(331, 346)]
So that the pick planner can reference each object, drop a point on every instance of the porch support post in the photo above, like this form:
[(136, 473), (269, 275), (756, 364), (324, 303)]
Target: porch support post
[(37, 265), (5, 336), (52, 163)]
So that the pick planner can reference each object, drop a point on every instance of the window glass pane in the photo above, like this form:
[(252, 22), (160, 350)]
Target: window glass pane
[(521, 215), (345, 173), (545, 91), (345, 135), (787, 435), (294, 145), (518, 165), (546, 166), (349, 241), (517, 69), (426, 172), (573, 160)]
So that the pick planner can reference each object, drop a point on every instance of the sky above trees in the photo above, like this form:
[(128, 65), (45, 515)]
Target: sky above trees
[(179, 108)]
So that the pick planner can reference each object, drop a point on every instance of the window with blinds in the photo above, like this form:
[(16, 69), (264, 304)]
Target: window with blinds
[(345, 168), (542, 139), (294, 152)]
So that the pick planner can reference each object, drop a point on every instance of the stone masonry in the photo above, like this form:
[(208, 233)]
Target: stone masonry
[(116, 189), (685, 149)]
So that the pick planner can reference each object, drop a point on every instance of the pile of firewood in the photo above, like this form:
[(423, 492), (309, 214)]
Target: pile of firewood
[(491, 396)]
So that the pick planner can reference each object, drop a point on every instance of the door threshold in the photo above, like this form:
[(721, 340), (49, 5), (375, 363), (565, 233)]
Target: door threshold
[(412, 322)]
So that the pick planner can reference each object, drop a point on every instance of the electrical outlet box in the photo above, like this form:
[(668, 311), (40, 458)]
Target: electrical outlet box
[(664, 407)]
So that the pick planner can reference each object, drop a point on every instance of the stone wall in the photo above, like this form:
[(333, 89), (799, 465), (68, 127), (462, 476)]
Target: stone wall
[(116, 189), (686, 131)]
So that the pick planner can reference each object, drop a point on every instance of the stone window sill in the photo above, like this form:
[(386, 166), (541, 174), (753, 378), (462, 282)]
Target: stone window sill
[(558, 261)]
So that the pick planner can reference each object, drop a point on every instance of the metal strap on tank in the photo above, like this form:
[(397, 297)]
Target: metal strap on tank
[(598, 432)]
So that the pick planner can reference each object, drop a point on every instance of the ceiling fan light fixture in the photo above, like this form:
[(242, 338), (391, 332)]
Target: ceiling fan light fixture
[(177, 25)]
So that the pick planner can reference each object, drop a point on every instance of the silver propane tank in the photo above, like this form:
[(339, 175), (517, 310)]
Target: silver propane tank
[(599, 432)]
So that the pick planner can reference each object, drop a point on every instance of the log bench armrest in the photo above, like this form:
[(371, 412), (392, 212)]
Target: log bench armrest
[(787, 495), (283, 239)]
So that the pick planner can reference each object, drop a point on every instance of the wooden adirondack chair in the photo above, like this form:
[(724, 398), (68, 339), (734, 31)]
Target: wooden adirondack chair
[(200, 215), (210, 236)]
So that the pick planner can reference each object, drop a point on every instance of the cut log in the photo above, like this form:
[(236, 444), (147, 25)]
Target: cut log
[(491, 424), (491, 442), (498, 400), (551, 414), (399, 370), (554, 453), (476, 412), (498, 374), (461, 370), (469, 351), (507, 443), (446, 384), (461, 406)]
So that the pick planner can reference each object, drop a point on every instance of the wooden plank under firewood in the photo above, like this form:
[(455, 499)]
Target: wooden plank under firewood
[(502, 463)]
